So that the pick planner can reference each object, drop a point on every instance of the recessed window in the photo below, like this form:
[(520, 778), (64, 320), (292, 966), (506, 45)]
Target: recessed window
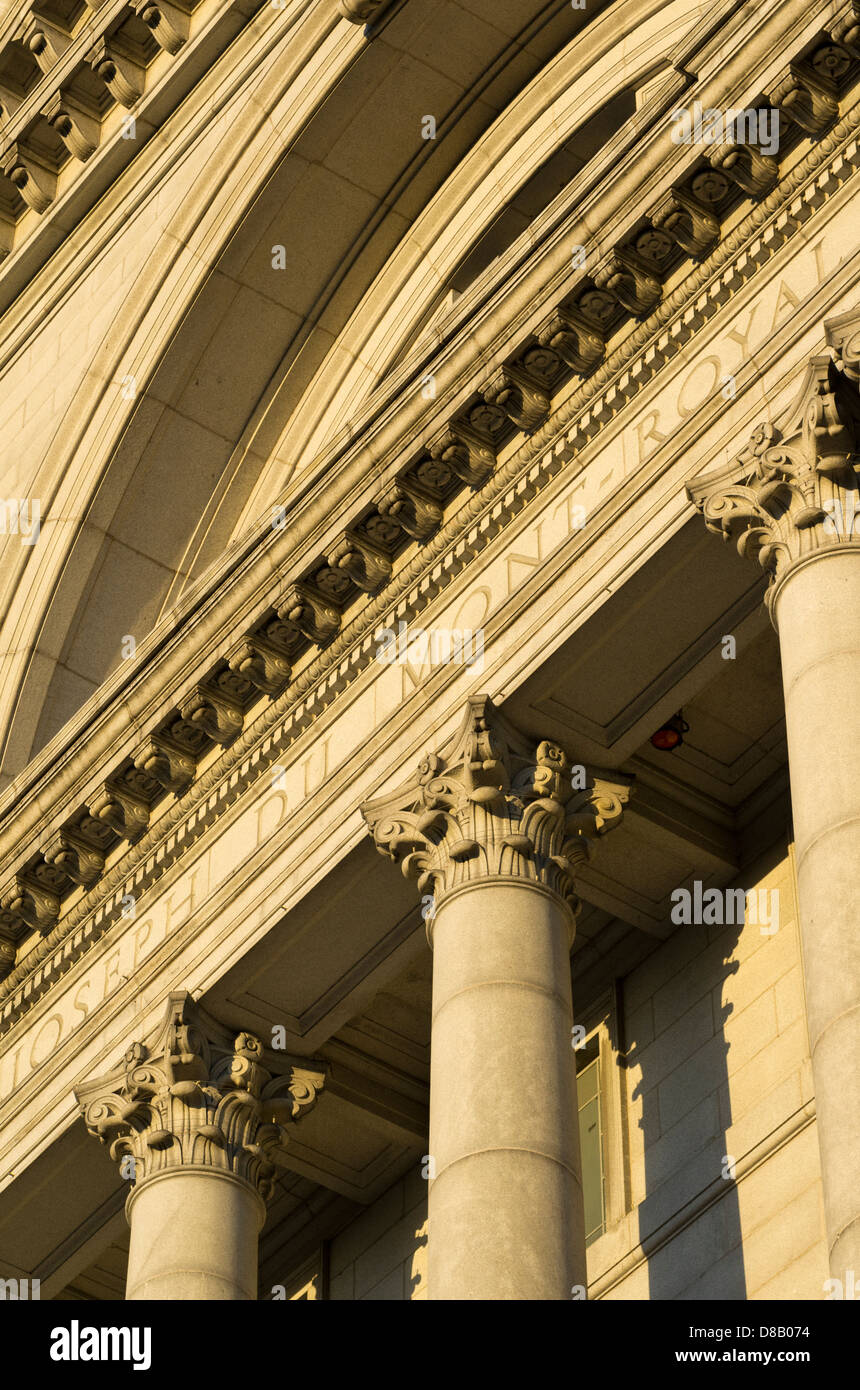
[(602, 1130), (591, 1137), (545, 184)]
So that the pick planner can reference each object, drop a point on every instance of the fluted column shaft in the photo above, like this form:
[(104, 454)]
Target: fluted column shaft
[(506, 1213), (792, 501), (497, 827), (194, 1235), (817, 611)]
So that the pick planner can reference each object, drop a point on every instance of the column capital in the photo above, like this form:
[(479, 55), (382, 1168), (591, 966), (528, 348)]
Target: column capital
[(793, 491), (495, 804), (200, 1096)]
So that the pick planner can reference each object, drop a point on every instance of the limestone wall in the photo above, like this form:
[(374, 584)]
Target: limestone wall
[(382, 1254), (719, 1081)]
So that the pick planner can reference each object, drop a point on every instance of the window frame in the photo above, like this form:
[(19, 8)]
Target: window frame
[(601, 1019)]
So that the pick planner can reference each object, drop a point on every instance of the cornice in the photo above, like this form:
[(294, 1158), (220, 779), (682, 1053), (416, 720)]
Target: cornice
[(422, 576), (63, 139), (370, 449), (79, 72), (600, 211), (36, 278)]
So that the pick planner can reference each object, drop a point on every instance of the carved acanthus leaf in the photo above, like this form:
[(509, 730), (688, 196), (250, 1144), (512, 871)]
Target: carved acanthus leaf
[(494, 804), (794, 488), (200, 1096)]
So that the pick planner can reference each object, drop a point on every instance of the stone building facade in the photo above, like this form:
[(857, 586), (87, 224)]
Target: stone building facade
[(427, 855)]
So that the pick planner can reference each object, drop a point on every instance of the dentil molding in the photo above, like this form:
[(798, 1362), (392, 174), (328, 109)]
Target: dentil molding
[(263, 657)]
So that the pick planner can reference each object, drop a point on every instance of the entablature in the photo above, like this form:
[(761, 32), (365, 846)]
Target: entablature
[(82, 89), (84, 84), (173, 729)]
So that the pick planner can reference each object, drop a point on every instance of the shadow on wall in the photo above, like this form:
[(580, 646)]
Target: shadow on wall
[(689, 1220), (416, 1277)]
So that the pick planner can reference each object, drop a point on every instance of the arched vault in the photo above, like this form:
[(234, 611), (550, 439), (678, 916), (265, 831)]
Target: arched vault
[(314, 235)]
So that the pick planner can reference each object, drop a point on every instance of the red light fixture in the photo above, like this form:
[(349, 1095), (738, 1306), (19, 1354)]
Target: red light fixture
[(671, 734)]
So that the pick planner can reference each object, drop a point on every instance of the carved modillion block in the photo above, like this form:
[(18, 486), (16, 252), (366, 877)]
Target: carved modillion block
[(413, 509), (261, 663), (80, 859), (8, 952), (359, 11), (308, 613), (808, 97), (122, 75), (580, 343), (521, 396), (212, 710), (687, 221), (34, 179), (467, 453), (27, 903), (78, 128), (168, 23), (628, 277), (755, 173), (367, 565)]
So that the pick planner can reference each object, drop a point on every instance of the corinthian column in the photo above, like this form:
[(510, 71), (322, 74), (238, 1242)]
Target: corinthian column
[(198, 1125), (791, 502), (493, 830)]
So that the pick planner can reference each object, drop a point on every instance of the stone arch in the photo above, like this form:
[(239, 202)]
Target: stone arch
[(151, 490)]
